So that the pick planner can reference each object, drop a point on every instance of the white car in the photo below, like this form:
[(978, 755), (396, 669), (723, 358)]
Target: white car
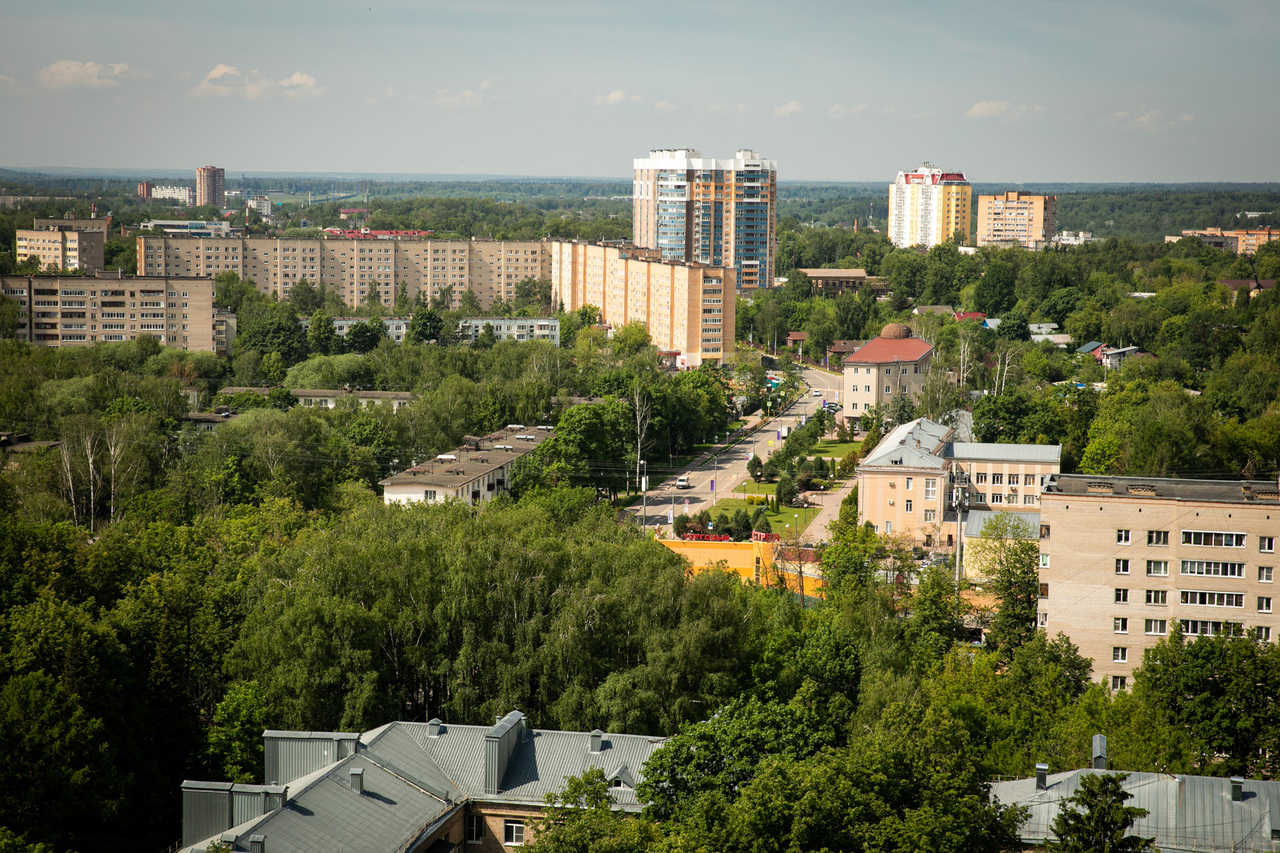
[(817, 392), (683, 483)]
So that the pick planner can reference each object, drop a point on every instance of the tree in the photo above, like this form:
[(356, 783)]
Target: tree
[(1095, 818), (425, 327), (321, 337), (364, 336), (755, 467), (581, 819), (1008, 552)]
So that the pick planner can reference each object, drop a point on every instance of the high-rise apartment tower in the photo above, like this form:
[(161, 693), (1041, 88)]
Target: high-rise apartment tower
[(1017, 219), (722, 213), (211, 183), (927, 206)]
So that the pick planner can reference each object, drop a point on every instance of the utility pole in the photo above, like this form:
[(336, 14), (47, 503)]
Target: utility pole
[(644, 488)]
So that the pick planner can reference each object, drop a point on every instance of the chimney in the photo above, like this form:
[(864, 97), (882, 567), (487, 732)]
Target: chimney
[(357, 780), (1237, 788), (433, 727), (597, 741), (1042, 777), (257, 844), (1099, 752)]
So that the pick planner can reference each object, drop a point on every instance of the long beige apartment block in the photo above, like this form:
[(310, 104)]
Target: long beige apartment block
[(355, 268), (688, 308), (1125, 559), (81, 310)]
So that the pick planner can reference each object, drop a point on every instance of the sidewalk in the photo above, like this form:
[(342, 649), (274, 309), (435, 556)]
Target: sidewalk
[(819, 529)]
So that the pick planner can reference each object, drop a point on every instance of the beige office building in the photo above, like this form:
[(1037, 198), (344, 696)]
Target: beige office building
[(688, 308), (211, 186), (1017, 219), (890, 365), (354, 268), (63, 246), (1125, 559), (59, 311), (919, 482)]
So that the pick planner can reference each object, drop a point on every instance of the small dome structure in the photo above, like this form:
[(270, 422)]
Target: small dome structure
[(895, 331)]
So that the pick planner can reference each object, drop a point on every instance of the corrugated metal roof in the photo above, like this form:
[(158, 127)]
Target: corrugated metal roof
[(1006, 452), (1185, 812), (977, 518), (910, 445)]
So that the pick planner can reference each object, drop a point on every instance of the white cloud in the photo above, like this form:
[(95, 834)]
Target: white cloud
[(1152, 120), (70, 74), (617, 96), (226, 81), (469, 99), (841, 111), (665, 106), (8, 82), (787, 109), (1002, 110)]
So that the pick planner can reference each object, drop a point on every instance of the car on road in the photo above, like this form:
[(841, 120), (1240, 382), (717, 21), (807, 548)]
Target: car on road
[(683, 483), (817, 392)]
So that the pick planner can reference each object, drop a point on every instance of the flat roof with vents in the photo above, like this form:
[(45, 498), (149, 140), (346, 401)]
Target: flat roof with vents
[(1147, 488)]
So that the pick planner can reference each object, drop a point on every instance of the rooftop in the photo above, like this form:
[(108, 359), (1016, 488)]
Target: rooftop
[(976, 519), (881, 350), (469, 463), (1005, 452), (1146, 488)]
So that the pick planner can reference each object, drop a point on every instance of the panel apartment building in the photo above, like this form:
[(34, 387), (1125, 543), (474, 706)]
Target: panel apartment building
[(354, 267), (927, 206), (60, 311), (1017, 219), (1124, 559), (722, 213), (67, 244), (688, 308)]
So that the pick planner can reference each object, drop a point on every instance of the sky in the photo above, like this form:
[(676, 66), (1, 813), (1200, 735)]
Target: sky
[(1025, 91)]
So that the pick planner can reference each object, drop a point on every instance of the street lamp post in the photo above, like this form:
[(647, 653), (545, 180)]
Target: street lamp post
[(644, 488)]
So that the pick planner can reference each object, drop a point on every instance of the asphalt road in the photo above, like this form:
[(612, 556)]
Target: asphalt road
[(729, 469)]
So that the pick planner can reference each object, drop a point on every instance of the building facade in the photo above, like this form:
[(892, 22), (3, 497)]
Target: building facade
[(63, 246), (185, 196), (1242, 241), (887, 366), (60, 311), (920, 483), (511, 328), (473, 474), (927, 206), (1124, 559), (1017, 219), (355, 268), (722, 213), (211, 186), (688, 308)]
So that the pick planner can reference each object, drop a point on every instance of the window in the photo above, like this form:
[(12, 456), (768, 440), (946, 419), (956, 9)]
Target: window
[(1042, 620), (1264, 604), (888, 527), (997, 498), (1013, 479), (1044, 590), (1267, 544), (1122, 567), (429, 494), (1263, 632), (908, 507), (931, 489), (1044, 561), (1213, 568), (1122, 596), (1119, 682), (1157, 568), (1157, 537), (980, 478), (910, 483), (1156, 627), (997, 479), (1157, 596), (475, 829), (1212, 539), (1044, 531), (888, 389), (1205, 598), (1264, 574), (1120, 654), (1120, 625), (513, 832), (1122, 537), (930, 515)]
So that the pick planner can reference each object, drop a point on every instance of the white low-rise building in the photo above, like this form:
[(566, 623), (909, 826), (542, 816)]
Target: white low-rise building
[(474, 473)]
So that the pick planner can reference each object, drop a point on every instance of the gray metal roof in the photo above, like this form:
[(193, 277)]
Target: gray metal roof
[(324, 813), (1186, 812), (975, 519), (1006, 452), (910, 445), (1250, 492)]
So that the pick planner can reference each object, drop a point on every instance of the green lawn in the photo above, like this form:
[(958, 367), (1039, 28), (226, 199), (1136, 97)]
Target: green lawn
[(751, 487), (838, 449), (777, 520)]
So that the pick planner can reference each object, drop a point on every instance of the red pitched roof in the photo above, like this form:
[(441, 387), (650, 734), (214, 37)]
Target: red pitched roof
[(961, 316), (890, 350)]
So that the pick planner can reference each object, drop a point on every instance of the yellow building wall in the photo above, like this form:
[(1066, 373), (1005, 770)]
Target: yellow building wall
[(751, 561)]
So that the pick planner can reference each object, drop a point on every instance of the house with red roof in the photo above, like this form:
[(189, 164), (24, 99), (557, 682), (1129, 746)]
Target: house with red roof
[(887, 366), (961, 316)]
